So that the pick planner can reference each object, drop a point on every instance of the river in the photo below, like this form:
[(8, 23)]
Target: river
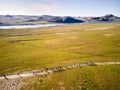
[(48, 25)]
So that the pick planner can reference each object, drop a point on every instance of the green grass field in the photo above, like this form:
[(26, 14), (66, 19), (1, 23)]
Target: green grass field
[(87, 78), (24, 50)]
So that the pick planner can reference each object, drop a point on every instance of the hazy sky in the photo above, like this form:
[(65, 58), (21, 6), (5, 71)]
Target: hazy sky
[(60, 7)]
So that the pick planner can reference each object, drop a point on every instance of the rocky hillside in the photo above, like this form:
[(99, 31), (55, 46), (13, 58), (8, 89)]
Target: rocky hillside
[(26, 20), (107, 18)]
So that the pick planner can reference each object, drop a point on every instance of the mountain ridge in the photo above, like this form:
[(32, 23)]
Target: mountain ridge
[(31, 20)]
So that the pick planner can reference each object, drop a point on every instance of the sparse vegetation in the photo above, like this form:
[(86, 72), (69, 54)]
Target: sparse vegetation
[(36, 49)]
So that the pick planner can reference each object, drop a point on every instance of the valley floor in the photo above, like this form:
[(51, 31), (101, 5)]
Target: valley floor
[(39, 49)]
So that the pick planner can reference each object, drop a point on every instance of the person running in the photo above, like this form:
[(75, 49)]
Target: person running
[(18, 74), (5, 77)]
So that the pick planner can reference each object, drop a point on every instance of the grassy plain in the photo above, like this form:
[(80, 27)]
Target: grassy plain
[(35, 49), (86, 78), (39, 48)]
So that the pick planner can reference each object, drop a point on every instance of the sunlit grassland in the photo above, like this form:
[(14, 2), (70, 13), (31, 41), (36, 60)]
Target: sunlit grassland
[(86, 78), (39, 48)]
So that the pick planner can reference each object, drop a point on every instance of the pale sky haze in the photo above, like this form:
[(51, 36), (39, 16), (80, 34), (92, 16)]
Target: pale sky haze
[(60, 7)]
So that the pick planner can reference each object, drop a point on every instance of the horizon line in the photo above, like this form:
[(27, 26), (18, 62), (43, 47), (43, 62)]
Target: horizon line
[(54, 15)]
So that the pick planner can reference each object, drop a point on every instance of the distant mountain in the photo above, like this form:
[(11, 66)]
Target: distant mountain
[(107, 18), (58, 19), (26, 20), (48, 18), (71, 20)]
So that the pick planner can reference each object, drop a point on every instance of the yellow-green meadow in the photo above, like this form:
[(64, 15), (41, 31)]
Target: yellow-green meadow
[(24, 50)]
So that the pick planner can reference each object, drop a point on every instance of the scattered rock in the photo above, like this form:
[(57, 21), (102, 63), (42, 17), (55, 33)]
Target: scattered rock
[(13, 84)]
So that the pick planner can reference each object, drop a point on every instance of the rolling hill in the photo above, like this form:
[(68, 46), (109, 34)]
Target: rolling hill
[(31, 20)]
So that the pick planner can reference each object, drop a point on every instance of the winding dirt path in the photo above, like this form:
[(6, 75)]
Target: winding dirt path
[(46, 72)]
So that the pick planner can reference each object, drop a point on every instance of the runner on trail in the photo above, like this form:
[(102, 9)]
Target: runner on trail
[(5, 77)]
